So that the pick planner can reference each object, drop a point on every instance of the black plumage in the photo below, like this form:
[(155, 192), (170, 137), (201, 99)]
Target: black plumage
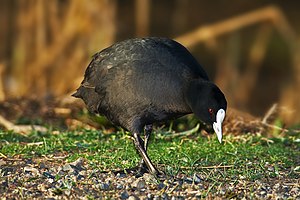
[(138, 82)]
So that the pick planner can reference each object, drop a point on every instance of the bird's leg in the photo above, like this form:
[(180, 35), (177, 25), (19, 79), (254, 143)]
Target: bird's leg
[(138, 145), (148, 131)]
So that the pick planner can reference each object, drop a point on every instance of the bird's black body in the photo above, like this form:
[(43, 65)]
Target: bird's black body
[(138, 82)]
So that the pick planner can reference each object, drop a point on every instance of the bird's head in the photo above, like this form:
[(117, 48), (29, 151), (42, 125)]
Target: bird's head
[(208, 103)]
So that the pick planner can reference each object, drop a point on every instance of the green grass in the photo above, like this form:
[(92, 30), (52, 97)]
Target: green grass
[(248, 156)]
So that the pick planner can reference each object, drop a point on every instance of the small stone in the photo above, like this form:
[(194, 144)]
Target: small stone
[(67, 167), (124, 195), (270, 168), (263, 192), (4, 184), (120, 175), (50, 180), (179, 182), (150, 196), (188, 180), (104, 186), (67, 192), (7, 171), (139, 184), (160, 186), (180, 198), (165, 196), (61, 173), (28, 161), (79, 177), (75, 172), (42, 187), (2, 162), (119, 187), (50, 198), (33, 170), (156, 197), (42, 166), (48, 175), (196, 179), (149, 178), (295, 190), (132, 197), (83, 173), (78, 164), (128, 187)]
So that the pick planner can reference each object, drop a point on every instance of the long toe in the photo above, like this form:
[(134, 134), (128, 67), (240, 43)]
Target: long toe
[(144, 169), (137, 171)]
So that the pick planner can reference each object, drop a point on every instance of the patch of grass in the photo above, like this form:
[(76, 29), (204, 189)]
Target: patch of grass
[(250, 157)]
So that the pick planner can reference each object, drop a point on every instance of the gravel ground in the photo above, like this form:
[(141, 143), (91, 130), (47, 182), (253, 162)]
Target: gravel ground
[(52, 178)]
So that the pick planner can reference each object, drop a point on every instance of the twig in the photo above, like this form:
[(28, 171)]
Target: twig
[(268, 14), (2, 94), (269, 113), (208, 167), (184, 133), (35, 143), (25, 129), (2, 155), (279, 128)]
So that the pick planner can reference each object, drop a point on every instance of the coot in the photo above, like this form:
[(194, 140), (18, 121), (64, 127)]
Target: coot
[(138, 82)]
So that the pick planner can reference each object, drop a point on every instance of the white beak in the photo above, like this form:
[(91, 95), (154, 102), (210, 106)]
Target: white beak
[(218, 124)]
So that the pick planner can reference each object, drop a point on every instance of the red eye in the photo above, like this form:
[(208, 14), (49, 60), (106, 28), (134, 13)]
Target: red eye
[(210, 110)]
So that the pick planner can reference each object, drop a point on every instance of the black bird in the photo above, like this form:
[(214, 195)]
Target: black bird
[(138, 82)]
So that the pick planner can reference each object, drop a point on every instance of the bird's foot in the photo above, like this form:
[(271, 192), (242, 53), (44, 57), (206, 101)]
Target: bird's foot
[(138, 171)]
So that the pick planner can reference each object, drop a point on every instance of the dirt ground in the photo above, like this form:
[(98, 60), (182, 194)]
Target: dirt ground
[(53, 178)]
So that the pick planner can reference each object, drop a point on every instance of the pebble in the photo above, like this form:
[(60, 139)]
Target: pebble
[(150, 196), (133, 198), (4, 184), (188, 180), (83, 173), (139, 184), (2, 162), (48, 175), (120, 175), (79, 177), (160, 186), (78, 164), (124, 195), (178, 198), (196, 179), (104, 186), (156, 197), (33, 170), (263, 192), (67, 167), (42, 166), (270, 168), (295, 190), (165, 196), (119, 186), (149, 178), (67, 192)]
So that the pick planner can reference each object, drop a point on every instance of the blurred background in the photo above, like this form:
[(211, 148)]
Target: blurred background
[(251, 49)]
